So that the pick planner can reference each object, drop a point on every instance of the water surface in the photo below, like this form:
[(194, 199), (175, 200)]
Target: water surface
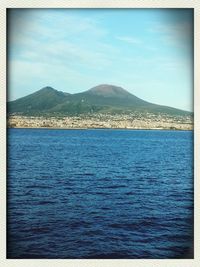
[(100, 194)]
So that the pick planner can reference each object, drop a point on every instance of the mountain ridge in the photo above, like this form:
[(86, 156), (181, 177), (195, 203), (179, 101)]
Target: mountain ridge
[(102, 98)]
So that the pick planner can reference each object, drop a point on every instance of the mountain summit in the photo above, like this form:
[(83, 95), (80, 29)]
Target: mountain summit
[(107, 90), (103, 98)]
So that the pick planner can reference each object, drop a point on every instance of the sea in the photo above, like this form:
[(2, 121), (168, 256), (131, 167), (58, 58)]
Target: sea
[(99, 194)]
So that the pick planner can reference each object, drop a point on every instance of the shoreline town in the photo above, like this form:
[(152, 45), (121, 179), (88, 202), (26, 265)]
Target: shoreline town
[(104, 121)]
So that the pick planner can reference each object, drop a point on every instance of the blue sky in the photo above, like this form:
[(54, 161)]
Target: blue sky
[(149, 52)]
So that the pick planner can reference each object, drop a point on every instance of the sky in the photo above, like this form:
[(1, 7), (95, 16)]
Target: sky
[(148, 52)]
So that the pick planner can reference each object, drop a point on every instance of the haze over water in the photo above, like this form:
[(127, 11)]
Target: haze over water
[(100, 194)]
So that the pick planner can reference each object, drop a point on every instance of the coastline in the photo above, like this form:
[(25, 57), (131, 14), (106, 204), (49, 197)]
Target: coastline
[(124, 129)]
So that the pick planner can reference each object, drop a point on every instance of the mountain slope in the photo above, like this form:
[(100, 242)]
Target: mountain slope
[(42, 100), (102, 98), (110, 95)]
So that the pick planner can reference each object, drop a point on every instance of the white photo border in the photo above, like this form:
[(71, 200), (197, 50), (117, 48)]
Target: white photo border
[(5, 4)]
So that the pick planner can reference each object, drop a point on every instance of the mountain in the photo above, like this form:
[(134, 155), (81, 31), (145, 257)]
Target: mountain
[(102, 98), (44, 99)]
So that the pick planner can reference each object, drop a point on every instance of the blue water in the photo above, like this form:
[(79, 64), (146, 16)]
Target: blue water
[(99, 194)]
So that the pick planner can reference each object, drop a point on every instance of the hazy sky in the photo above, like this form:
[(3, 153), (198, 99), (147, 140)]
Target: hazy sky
[(149, 52)]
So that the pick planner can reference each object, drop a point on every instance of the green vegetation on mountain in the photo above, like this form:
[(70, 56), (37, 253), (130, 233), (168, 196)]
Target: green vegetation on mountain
[(103, 99), (40, 101)]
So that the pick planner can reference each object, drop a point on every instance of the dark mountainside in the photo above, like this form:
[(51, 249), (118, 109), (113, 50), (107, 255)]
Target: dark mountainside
[(103, 99)]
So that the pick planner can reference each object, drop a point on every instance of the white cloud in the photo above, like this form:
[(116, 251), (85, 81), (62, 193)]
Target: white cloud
[(129, 39), (52, 25), (59, 39)]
